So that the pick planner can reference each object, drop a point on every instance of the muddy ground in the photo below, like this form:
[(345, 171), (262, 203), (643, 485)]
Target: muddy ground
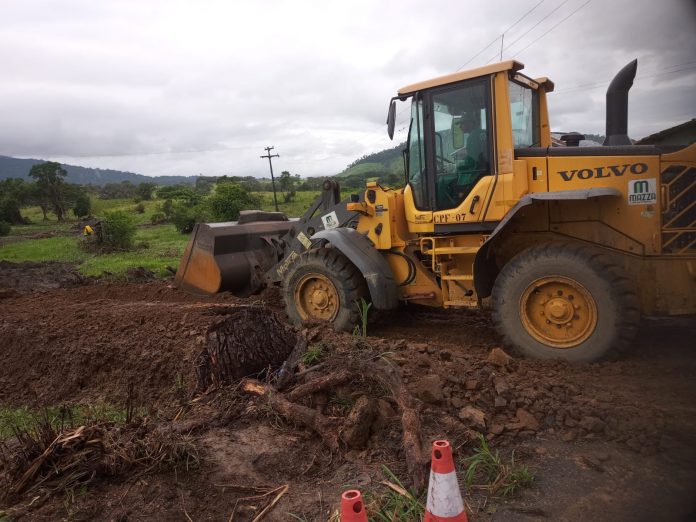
[(606, 441)]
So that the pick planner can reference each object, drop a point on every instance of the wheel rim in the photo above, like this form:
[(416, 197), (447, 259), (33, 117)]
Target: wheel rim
[(558, 312), (316, 297)]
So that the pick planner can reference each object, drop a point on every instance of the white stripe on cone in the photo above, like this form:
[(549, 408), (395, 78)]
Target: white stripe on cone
[(444, 497)]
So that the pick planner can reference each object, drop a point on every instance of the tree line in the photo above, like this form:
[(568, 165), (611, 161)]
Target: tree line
[(183, 204), (49, 191)]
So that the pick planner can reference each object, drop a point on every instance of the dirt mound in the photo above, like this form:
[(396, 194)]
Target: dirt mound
[(139, 275), (22, 278), (505, 398), (88, 343), (583, 421)]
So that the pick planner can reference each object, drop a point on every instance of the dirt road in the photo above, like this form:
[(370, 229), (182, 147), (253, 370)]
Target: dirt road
[(606, 441)]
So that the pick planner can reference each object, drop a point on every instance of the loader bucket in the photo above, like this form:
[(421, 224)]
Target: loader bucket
[(231, 256)]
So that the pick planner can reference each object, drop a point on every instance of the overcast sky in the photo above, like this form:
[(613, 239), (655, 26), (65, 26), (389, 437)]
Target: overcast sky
[(189, 87)]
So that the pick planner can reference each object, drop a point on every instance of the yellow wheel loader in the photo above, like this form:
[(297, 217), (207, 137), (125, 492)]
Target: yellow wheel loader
[(571, 244)]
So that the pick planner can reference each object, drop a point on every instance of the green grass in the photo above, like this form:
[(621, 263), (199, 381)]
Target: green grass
[(300, 203), (164, 248), (156, 248), (59, 248), (68, 415), (314, 354), (395, 502), (295, 208), (361, 169), (40, 226), (99, 206), (493, 474), (363, 309)]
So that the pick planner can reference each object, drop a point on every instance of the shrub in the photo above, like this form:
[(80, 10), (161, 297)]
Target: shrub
[(158, 218), (140, 208), (185, 217), (167, 207), (9, 211), (83, 206), (117, 230), (229, 199), (4, 228)]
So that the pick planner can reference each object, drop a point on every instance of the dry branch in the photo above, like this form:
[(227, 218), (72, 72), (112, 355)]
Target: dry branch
[(42, 465)]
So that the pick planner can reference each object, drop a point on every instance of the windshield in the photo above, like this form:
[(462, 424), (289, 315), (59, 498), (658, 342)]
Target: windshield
[(461, 141)]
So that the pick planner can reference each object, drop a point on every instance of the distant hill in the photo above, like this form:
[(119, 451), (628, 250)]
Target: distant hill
[(19, 168), (388, 161)]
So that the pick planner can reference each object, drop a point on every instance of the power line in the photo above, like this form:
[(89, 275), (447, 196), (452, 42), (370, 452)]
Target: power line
[(552, 28), (502, 34), (593, 86), (530, 29)]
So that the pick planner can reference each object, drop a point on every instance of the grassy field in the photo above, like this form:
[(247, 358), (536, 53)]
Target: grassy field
[(99, 206), (295, 208), (298, 206), (156, 246)]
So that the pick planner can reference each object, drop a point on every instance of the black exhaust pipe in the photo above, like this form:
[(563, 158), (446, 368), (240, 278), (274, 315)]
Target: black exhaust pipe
[(617, 105)]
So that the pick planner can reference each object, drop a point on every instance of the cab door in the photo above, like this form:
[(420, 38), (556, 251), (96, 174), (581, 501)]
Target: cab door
[(459, 142), (417, 194)]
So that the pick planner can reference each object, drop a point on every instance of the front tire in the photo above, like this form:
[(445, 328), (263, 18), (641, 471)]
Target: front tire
[(566, 301), (324, 285)]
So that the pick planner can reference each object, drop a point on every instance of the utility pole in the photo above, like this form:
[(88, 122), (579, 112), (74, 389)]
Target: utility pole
[(270, 164)]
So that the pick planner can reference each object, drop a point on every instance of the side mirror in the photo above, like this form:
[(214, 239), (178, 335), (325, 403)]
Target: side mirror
[(391, 119)]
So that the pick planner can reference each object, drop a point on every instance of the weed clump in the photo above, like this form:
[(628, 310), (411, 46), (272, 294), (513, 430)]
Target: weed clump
[(50, 458), (396, 502), (493, 473)]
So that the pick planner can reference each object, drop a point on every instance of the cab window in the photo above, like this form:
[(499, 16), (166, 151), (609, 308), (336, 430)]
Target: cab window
[(524, 113), (461, 141)]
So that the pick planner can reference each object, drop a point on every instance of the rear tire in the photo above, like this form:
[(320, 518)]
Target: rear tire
[(324, 285), (566, 301)]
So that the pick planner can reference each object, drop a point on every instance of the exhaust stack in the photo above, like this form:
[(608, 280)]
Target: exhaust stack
[(617, 105)]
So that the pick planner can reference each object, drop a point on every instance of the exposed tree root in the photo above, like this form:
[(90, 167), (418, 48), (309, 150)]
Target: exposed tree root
[(245, 342), (410, 419), (320, 383), (326, 427), (250, 339)]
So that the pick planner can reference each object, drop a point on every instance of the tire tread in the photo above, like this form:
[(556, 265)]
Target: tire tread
[(601, 263)]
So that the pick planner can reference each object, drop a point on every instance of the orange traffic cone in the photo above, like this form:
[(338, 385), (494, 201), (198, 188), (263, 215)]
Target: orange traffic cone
[(445, 502), (352, 507)]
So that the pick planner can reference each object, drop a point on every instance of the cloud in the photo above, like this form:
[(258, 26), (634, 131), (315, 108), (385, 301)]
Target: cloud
[(201, 87)]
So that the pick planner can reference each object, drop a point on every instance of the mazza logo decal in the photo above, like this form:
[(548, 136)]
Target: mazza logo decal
[(642, 191)]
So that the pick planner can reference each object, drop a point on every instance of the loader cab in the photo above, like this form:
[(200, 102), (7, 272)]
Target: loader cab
[(463, 130)]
